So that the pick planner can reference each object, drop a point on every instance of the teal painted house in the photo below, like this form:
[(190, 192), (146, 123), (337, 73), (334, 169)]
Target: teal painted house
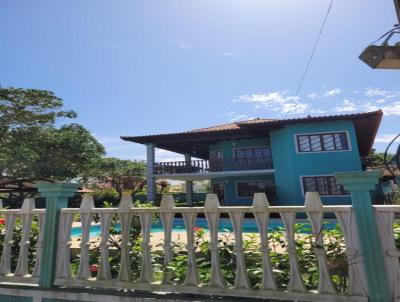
[(283, 158)]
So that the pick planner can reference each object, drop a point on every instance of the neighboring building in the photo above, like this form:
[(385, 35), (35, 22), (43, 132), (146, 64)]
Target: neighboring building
[(283, 158)]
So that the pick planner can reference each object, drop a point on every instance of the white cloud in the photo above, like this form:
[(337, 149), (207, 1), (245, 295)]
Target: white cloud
[(327, 93), (377, 92), (392, 109), (228, 54), (165, 156), (277, 101), (385, 138), (183, 45), (346, 106), (234, 117)]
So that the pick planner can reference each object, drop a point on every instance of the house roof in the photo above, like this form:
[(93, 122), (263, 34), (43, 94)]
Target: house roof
[(195, 142)]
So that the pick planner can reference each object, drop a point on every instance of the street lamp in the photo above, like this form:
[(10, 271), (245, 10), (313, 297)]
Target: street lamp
[(384, 56)]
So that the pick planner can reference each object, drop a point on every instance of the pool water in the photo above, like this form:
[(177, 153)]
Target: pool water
[(249, 226)]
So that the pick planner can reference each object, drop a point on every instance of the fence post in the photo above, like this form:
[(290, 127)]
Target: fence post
[(360, 185), (56, 195)]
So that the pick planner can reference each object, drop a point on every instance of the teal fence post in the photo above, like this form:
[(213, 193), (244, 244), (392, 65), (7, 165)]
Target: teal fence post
[(57, 195), (360, 185)]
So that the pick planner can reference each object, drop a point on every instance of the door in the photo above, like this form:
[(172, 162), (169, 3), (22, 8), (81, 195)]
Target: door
[(220, 191), (216, 159)]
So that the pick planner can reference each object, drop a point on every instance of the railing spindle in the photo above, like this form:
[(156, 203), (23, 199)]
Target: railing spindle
[(86, 220), (36, 268), (241, 279), (212, 215), (315, 214), (296, 283), (261, 215), (26, 217), (192, 275), (146, 272), (5, 263), (125, 218), (357, 283), (104, 272), (167, 203)]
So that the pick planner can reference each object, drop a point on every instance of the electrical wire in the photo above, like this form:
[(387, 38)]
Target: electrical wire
[(314, 49)]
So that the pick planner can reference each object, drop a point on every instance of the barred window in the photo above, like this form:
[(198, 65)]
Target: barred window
[(322, 142), (248, 188), (325, 185), (261, 152)]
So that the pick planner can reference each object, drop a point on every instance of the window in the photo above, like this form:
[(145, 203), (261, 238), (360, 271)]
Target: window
[(216, 155), (248, 188), (325, 185), (262, 152), (322, 142)]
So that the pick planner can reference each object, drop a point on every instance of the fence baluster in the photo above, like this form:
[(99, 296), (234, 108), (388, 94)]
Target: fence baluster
[(125, 218), (357, 281), (192, 275), (261, 215), (296, 283), (314, 212), (26, 218), (241, 279), (167, 203), (146, 272), (104, 267), (5, 263), (212, 215), (86, 220), (63, 251), (36, 268), (385, 221)]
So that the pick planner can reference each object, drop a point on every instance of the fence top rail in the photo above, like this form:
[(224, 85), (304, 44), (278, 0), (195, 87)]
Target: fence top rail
[(220, 209), (21, 211), (387, 208)]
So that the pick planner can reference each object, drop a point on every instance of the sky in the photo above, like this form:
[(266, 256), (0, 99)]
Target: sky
[(137, 67)]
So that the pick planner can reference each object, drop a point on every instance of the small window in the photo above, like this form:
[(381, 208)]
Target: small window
[(248, 188), (251, 153), (322, 142), (325, 185)]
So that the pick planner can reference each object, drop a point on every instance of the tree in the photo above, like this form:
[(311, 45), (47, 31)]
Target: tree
[(120, 174), (27, 108), (376, 159), (32, 147)]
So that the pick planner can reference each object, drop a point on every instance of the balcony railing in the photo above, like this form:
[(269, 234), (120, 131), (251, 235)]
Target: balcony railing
[(213, 165)]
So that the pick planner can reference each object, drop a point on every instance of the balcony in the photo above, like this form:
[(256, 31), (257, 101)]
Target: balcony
[(213, 166)]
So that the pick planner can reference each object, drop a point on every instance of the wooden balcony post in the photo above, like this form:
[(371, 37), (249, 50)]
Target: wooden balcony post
[(150, 180), (360, 185), (189, 183)]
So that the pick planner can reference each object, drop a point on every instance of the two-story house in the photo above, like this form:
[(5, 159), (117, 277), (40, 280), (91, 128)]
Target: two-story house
[(283, 158)]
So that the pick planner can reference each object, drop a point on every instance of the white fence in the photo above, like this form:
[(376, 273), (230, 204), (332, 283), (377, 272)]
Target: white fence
[(216, 285), (26, 215), (313, 210)]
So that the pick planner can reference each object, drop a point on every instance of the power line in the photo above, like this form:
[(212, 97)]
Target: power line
[(314, 49)]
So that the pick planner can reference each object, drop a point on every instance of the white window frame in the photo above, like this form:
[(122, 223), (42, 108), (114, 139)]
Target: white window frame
[(303, 193), (321, 133)]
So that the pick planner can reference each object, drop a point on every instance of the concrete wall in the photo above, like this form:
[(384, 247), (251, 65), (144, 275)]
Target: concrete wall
[(70, 295), (289, 165)]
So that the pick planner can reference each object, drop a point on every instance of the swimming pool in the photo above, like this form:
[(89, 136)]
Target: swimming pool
[(249, 226)]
